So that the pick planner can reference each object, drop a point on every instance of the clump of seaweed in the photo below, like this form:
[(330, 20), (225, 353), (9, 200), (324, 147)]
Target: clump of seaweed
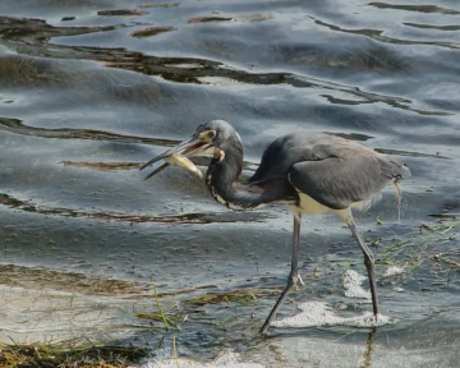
[(63, 356), (238, 296)]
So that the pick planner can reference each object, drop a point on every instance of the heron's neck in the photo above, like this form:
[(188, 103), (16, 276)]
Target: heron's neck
[(222, 181)]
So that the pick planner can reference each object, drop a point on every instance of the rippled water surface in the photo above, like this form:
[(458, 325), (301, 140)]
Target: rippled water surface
[(91, 89)]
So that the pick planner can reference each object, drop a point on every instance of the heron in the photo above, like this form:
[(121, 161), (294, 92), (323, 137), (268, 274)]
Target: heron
[(311, 173)]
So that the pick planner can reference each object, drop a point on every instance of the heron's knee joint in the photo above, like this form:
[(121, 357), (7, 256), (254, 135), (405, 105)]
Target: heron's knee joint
[(369, 261), (294, 279)]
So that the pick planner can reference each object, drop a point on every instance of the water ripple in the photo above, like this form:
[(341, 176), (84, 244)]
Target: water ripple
[(416, 8), (185, 218), (378, 36)]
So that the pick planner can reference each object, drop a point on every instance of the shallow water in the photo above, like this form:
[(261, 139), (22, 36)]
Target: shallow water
[(89, 90)]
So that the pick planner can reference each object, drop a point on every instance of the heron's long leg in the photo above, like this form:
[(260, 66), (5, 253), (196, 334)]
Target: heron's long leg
[(294, 276), (368, 261)]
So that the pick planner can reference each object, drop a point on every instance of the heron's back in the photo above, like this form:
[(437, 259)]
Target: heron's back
[(334, 171)]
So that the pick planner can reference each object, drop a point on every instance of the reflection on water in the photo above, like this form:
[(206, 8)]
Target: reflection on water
[(416, 8), (91, 89), (183, 218)]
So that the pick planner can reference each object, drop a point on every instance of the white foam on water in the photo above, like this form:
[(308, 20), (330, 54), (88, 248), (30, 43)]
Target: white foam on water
[(393, 271), (352, 281), (318, 314), (227, 360)]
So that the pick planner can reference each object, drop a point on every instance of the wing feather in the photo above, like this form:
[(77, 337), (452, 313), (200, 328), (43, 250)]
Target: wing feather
[(338, 182)]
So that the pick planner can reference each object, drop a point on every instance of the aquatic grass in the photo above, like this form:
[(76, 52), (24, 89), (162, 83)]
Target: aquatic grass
[(163, 314), (225, 324), (160, 311), (168, 321), (66, 354), (427, 254), (243, 297)]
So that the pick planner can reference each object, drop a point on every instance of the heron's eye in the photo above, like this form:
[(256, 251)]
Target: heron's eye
[(211, 134)]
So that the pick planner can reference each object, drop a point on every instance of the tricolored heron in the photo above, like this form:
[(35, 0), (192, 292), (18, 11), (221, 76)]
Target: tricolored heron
[(312, 173)]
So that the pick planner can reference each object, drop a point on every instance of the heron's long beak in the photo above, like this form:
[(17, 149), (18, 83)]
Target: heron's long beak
[(188, 148)]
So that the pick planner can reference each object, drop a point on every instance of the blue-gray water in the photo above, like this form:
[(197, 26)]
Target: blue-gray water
[(90, 89)]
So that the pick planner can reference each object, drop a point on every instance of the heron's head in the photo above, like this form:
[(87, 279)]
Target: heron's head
[(213, 137)]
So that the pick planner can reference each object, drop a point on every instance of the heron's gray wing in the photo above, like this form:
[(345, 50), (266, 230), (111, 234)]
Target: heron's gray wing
[(338, 182)]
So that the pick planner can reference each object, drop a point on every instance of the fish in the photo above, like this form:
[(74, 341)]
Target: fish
[(176, 159)]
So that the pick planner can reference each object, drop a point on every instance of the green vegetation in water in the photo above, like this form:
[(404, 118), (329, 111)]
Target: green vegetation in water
[(430, 255), (168, 321), (238, 296), (167, 317), (63, 356)]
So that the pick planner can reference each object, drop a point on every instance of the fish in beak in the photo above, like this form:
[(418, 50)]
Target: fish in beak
[(179, 156)]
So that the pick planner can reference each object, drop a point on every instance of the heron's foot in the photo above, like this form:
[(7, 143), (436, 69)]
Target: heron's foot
[(293, 279)]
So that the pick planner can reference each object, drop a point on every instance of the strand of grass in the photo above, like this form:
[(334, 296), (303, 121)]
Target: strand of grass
[(444, 215), (450, 262), (390, 251), (242, 297), (416, 260), (222, 324), (172, 306), (12, 340), (175, 351), (380, 222), (388, 256), (448, 229), (157, 301), (233, 317), (352, 332), (174, 324), (172, 320)]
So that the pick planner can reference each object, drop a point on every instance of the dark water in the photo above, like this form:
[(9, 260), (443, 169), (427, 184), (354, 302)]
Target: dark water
[(91, 89)]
